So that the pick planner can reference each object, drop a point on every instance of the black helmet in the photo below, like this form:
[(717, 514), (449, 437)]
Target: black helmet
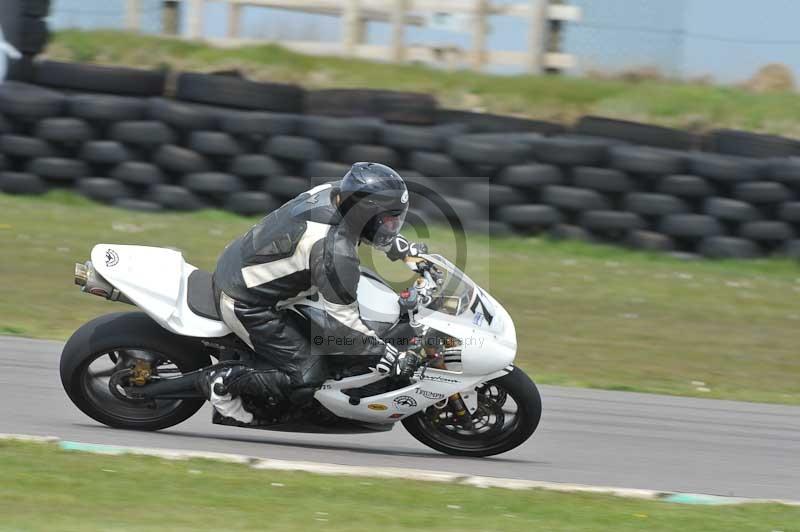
[(373, 201)]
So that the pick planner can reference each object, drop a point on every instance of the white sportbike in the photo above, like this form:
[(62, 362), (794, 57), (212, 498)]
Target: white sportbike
[(139, 370)]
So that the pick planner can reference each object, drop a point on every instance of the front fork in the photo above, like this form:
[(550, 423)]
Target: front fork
[(455, 402), (460, 411)]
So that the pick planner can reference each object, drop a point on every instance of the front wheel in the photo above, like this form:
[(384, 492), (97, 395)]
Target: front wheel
[(506, 414), (121, 344)]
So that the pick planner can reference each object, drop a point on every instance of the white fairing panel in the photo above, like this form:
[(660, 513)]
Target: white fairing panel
[(433, 387), (155, 279), (376, 301), (486, 331)]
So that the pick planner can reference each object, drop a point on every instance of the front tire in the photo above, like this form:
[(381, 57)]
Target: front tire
[(134, 334), (430, 428)]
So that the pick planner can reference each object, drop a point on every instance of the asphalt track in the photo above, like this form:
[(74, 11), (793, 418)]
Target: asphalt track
[(586, 436)]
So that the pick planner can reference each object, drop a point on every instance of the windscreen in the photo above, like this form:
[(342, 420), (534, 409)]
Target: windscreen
[(456, 291)]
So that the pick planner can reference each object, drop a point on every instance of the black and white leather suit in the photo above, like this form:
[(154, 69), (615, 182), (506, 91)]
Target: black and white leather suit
[(301, 249)]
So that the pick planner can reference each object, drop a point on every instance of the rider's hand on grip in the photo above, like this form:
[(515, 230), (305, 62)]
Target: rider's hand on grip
[(412, 258), (407, 364), (408, 252), (396, 364), (388, 360)]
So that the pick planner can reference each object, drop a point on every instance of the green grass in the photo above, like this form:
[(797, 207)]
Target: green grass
[(694, 106), (43, 488), (586, 315)]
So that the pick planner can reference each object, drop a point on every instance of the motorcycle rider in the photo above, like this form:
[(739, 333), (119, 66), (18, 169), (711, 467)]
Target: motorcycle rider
[(307, 247)]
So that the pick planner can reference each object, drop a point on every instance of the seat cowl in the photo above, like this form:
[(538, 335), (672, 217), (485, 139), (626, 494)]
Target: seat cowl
[(200, 295), (157, 281)]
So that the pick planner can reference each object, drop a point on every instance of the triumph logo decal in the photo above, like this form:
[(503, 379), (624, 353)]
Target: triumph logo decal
[(112, 259), (404, 401), (430, 395)]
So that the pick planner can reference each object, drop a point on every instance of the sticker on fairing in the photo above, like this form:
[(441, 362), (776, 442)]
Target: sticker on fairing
[(427, 394), (404, 401), (112, 259), (486, 308)]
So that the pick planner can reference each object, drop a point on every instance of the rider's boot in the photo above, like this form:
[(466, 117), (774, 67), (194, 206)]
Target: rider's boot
[(224, 387), (224, 403)]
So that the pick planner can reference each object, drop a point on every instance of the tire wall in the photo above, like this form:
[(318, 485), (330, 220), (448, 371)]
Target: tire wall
[(129, 138)]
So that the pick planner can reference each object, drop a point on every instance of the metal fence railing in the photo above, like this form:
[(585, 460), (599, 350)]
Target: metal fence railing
[(225, 22), (107, 14), (677, 39)]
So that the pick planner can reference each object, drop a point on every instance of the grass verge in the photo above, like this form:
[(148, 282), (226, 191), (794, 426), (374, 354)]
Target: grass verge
[(693, 106), (44, 488), (586, 315)]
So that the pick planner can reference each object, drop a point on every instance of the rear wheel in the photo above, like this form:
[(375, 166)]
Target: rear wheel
[(505, 415), (104, 355)]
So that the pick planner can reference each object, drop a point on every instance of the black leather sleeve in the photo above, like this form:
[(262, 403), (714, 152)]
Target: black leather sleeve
[(334, 265)]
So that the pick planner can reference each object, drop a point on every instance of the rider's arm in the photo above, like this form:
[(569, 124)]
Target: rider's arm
[(335, 271)]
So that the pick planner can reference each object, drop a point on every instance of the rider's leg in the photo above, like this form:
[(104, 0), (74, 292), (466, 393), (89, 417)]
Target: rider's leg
[(283, 347), (284, 359), (224, 386)]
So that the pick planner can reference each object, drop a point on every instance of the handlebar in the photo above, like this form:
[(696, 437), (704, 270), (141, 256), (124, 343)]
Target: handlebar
[(422, 292), (411, 262)]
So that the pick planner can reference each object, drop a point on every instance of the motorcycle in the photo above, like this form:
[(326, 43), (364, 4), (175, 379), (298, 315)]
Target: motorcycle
[(138, 370)]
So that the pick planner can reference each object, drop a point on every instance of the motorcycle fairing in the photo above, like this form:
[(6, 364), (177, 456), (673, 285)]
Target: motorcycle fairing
[(430, 387), (156, 280)]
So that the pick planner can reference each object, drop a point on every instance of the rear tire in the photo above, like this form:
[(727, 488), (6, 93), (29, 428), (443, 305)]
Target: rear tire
[(529, 403), (128, 330)]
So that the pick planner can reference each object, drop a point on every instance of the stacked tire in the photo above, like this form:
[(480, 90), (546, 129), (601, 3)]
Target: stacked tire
[(247, 147), (110, 134)]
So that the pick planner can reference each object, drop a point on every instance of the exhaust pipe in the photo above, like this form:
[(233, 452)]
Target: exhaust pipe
[(93, 283)]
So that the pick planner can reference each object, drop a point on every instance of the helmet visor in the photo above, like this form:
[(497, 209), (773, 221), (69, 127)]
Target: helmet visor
[(392, 222), (383, 228)]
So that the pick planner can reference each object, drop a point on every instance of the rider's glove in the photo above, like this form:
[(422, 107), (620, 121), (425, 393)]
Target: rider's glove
[(396, 364), (402, 249)]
